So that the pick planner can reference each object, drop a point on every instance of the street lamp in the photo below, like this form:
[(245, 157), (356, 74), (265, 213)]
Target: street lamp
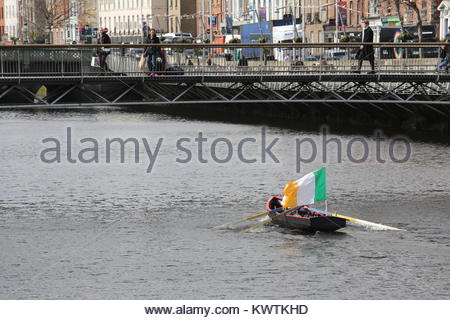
[(144, 28), (25, 31), (210, 22)]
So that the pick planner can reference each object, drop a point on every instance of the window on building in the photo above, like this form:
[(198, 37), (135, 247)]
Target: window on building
[(424, 8), (320, 10), (351, 13), (373, 7), (409, 15)]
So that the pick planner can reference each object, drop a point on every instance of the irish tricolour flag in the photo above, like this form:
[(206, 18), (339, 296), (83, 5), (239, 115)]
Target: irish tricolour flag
[(306, 190)]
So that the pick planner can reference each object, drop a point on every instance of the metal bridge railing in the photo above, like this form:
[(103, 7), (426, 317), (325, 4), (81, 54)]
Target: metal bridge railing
[(24, 61)]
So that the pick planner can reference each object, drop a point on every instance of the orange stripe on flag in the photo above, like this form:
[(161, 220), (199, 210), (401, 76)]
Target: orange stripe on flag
[(290, 195)]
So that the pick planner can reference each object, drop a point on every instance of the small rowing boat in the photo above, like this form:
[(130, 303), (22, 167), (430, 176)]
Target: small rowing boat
[(303, 218)]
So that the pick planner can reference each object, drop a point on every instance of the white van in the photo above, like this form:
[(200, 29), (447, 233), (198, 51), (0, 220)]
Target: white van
[(177, 37)]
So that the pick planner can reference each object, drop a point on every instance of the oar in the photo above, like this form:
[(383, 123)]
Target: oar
[(268, 220), (360, 222), (262, 214), (256, 226)]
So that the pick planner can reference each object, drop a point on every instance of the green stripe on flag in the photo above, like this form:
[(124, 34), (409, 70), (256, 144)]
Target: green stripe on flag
[(321, 185)]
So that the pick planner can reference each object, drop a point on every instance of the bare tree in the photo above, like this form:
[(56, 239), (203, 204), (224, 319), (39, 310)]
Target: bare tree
[(412, 4), (400, 18), (54, 12), (57, 13)]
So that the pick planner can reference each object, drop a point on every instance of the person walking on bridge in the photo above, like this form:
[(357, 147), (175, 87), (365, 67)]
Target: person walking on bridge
[(445, 54), (152, 52), (104, 51), (366, 51)]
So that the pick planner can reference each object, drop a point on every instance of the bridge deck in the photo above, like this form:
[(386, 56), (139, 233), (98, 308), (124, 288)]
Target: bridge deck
[(388, 77)]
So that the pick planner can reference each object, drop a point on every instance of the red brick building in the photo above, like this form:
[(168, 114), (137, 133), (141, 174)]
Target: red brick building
[(60, 18), (383, 13), (2, 19)]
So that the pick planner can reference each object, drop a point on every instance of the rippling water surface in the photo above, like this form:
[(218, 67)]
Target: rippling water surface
[(114, 231)]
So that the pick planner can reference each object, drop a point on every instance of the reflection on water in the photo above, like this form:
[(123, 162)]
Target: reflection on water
[(110, 230)]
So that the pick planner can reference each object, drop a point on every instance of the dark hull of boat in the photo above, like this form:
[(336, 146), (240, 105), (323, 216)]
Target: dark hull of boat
[(311, 222), (323, 223)]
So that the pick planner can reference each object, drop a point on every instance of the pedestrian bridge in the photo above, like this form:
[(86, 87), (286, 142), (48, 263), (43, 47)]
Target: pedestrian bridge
[(301, 75)]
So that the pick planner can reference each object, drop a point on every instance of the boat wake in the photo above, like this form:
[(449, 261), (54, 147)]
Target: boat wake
[(372, 226)]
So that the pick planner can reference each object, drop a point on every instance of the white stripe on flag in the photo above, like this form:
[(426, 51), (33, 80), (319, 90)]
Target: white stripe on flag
[(307, 189)]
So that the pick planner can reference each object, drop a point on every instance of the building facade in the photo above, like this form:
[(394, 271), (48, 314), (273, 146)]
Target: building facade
[(32, 21), (182, 16), (2, 20), (384, 14), (324, 20), (11, 12), (428, 10), (57, 19), (317, 20), (85, 19), (218, 14), (444, 18), (125, 19), (205, 9), (237, 10), (328, 20)]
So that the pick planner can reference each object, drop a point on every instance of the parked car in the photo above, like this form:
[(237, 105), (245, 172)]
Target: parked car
[(179, 37), (135, 53), (312, 58)]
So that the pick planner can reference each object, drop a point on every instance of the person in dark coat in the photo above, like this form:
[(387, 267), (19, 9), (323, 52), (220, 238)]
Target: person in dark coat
[(445, 54), (366, 51), (104, 51), (243, 61), (152, 53)]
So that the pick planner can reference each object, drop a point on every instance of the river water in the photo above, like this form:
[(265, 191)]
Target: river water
[(115, 231)]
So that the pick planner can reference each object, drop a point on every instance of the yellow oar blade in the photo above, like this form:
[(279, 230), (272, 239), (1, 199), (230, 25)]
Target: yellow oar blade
[(257, 216), (256, 226), (229, 224), (368, 224)]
